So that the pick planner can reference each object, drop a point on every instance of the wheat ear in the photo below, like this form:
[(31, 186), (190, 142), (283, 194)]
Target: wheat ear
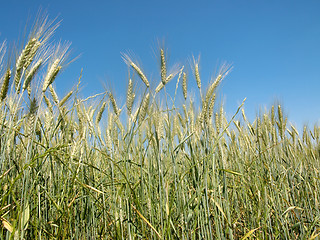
[(51, 74), (144, 107), (212, 87), (197, 71), (130, 97), (159, 87), (169, 77), (184, 85), (137, 69), (108, 141), (31, 74), (65, 99), (101, 110), (32, 115), (244, 115), (54, 95), (5, 85), (163, 67), (114, 104), (21, 62), (32, 53), (49, 105), (211, 106)]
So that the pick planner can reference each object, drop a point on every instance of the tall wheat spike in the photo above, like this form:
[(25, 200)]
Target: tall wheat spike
[(197, 71), (130, 97), (163, 68), (184, 85)]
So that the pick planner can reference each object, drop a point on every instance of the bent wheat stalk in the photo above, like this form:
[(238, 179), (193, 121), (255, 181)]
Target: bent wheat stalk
[(137, 69)]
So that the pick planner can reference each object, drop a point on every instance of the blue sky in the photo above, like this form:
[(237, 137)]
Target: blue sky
[(272, 45)]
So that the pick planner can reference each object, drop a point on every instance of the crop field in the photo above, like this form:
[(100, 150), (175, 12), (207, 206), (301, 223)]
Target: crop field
[(159, 165)]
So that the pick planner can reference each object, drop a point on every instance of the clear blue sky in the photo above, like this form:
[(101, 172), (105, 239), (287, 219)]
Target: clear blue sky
[(274, 46)]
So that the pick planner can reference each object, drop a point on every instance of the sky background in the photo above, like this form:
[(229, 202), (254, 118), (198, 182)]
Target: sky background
[(273, 46)]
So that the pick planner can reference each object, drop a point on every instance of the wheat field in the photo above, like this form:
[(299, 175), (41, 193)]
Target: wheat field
[(157, 166)]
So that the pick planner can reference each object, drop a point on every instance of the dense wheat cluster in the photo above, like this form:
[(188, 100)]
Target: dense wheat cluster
[(155, 167)]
